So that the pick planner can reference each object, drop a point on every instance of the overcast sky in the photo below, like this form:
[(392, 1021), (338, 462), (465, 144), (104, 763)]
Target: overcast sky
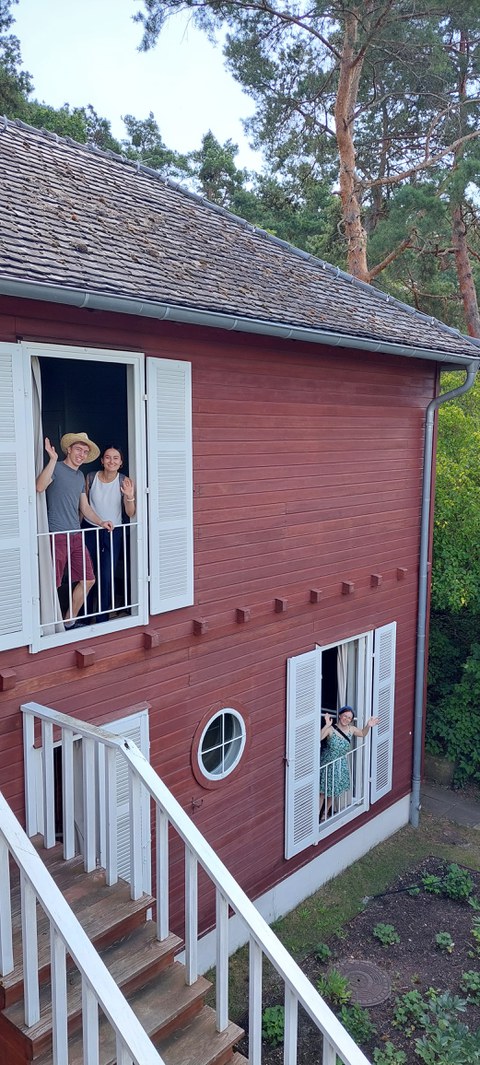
[(85, 51)]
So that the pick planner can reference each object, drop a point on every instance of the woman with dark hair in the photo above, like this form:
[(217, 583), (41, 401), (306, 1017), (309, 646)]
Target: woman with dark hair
[(336, 739), (112, 495)]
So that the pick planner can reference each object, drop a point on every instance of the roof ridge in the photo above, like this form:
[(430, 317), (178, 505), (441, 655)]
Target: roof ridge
[(334, 271)]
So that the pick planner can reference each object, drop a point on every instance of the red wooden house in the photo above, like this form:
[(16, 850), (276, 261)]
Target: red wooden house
[(272, 412)]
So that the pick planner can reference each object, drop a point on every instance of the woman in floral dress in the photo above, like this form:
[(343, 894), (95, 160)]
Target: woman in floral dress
[(336, 741)]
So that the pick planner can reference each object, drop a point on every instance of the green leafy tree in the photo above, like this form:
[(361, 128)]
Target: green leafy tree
[(144, 144), (15, 83)]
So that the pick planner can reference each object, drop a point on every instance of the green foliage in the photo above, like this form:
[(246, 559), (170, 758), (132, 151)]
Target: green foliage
[(432, 884), (457, 883), (409, 1012), (470, 983), (389, 1055), (273, 1025), (444, 942), (358, 1022), (323, 952), (386, 934), (335, 988)]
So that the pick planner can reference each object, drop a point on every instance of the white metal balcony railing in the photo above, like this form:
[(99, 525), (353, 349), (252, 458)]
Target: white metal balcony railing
[(335, 807), (116, 592), (338, 1046)]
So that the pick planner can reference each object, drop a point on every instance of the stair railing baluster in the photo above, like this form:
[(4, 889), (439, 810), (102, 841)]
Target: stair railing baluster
[(68, 795), (255, 1003), (89, 805), (89, 1025), (6, 938), (28, 902), (222, 962), (136, 856), (329, 1053), (291, 1027), (163, 876), (191, 917), (29, 774), (48, 785), (58, 969)]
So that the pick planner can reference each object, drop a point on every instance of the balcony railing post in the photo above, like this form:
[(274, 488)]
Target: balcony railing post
[(255, 1003)]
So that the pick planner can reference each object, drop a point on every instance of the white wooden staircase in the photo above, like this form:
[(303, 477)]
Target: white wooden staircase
[(85, 975), (172, 1013)]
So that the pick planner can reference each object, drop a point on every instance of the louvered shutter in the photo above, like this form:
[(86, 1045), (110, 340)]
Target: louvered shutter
[(17, 479), (169, 433), (134, 727), (383, 708), (303, 751)]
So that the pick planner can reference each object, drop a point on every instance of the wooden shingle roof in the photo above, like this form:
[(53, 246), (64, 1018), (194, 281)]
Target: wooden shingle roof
[(78, 218)]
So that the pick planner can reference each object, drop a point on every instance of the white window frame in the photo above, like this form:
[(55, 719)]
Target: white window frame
[(374, 696), (243, 739), (171, 390)]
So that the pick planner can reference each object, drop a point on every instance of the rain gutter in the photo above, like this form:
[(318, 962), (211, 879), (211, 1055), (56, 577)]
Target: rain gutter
[(423, 584), (100, 301)]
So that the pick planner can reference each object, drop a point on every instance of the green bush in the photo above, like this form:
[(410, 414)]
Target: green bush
[(470, 983), (335, 988), (273, 1025), (323, 952), (358, 1022), (386, 934), (389, 1055), (444, 942), (410, 1010), (454, 724)]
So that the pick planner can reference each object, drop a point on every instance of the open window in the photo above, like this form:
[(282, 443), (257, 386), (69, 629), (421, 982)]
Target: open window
[(359, 672), (49, 390)]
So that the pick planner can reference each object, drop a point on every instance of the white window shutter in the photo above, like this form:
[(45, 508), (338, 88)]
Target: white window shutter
[(169, 445), (17, 479), (304, 685), (134, 727), (383, 708)]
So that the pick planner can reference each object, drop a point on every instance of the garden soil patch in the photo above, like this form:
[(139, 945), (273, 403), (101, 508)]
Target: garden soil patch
[(415, 963)]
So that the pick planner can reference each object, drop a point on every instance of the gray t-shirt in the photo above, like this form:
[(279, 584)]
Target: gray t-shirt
[(63, 498)]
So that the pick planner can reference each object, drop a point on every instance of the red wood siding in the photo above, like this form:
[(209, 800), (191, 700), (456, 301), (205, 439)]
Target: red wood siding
[(307, 473)]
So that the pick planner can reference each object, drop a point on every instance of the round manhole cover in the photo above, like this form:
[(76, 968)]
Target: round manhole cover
[(369, 984)]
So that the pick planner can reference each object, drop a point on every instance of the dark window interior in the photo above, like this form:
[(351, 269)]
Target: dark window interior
[(329, 679), (86, 397)]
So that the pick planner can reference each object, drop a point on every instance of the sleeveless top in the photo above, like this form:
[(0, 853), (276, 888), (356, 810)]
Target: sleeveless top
[(106, 497)]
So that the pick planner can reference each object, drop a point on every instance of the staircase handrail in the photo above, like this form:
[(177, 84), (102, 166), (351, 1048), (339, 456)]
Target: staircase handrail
[(337, 1038), (96, 978)]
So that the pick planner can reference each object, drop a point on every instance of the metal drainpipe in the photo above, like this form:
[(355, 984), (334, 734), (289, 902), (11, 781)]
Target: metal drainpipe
[(423, 585)]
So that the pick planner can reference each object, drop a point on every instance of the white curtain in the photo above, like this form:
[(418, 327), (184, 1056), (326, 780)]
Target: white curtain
[(342, 658), (50, 613)]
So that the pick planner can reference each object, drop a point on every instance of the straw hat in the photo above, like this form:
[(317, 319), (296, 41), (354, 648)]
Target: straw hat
[(80, 438)]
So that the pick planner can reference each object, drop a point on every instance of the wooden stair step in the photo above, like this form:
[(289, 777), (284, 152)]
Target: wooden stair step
[(200, 1043), (162, 1004), (238, 1059), (132, 961), (105, 913)]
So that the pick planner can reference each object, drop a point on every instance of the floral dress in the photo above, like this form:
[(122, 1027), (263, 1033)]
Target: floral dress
[(335, 774)]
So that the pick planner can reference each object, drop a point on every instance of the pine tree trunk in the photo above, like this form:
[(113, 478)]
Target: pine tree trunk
[(347, 94), (464, 273)]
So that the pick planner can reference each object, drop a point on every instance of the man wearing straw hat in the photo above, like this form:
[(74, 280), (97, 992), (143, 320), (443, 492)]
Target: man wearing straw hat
[(67, 502)]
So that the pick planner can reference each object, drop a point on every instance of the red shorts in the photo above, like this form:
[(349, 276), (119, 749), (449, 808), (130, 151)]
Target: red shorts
[(81, 568)]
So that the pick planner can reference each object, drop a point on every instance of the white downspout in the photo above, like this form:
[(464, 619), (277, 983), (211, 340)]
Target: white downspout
[(424, 568)]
